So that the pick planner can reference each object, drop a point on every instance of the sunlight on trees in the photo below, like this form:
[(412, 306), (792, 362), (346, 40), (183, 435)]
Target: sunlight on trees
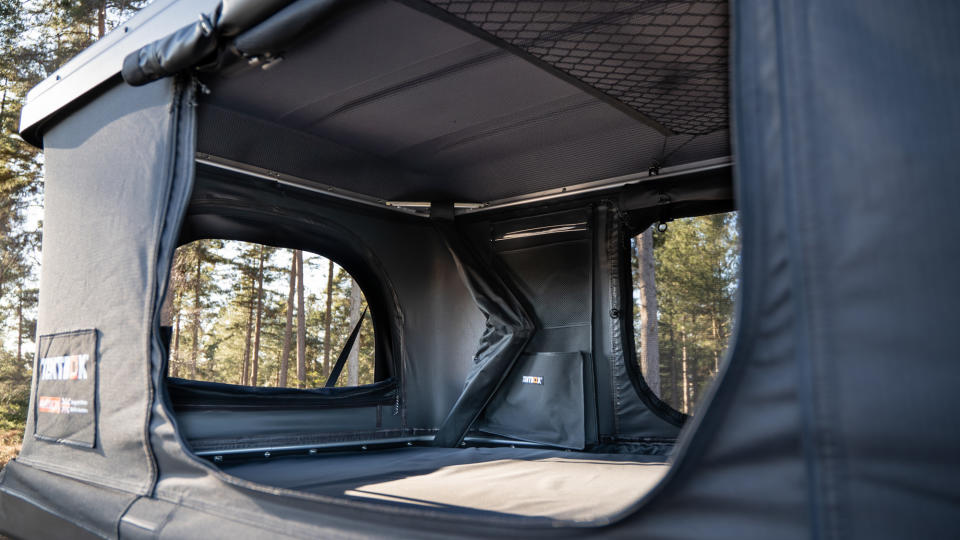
[(696, 266), (36, 38), (239, 313)]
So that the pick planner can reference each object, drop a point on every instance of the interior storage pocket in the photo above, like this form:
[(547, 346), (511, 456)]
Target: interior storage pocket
[(541, 401)]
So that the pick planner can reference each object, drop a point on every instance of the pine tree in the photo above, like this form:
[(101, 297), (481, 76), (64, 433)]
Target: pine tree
[(19, 167), (301, 323), (193, 287), (328, 313), (258, 330), (647, 288), (288, 327), (36, 38), (696, 264), (353, 358), (249, 295)]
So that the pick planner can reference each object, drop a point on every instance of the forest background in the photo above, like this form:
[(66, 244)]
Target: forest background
[(241, 314), (36, 38)]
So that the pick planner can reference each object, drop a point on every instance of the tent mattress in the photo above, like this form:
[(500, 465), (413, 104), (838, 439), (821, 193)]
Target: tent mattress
[(558, 484)]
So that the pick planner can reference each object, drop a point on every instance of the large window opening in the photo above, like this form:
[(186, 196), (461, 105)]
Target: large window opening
[(256, 315), (685, 279)]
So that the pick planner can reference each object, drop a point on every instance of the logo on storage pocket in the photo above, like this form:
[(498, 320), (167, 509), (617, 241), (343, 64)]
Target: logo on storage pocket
[(529, 379), (64, 368), (62, 405)]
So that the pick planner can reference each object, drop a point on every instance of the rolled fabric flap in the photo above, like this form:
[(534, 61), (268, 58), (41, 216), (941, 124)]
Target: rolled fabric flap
[(190, 45), (180, 50)]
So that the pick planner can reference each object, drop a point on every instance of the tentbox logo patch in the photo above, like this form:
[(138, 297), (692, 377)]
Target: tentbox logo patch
[(64, 368), (66, 388)]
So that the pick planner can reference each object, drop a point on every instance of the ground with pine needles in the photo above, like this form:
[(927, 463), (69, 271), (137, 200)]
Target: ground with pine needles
[(9, 444)]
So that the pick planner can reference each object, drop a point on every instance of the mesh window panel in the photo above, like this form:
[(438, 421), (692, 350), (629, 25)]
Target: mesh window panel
[(666, 59), (555, 279)]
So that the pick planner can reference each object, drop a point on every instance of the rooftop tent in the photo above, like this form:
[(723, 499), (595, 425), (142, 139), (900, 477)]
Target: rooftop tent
[(476, 167)]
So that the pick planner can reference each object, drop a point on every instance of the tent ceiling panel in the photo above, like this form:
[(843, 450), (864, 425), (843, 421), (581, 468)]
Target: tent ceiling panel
[(447, 111), (443, 104), (370, 45), (667, 59)]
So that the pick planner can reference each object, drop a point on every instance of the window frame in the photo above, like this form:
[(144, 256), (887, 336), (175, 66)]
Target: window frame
[(275, 227), (369, 309), (633, 223)]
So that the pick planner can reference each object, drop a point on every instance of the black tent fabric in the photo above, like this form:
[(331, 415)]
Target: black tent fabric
[(531, 482), (840, 341), (833, 415), (508, 329), (140, 124)]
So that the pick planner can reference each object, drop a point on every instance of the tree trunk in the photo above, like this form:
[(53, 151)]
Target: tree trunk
[(288, 328), (3, 108), (327, 320), (694, 368), (685, 368), (649, 346), (172, 301), (166, 310), (20, 327), (101, 18), (301, 324), (245, 374), (717, 345), (674, 366), (194, 353), (256, 339), (175, 354), (353, 360)]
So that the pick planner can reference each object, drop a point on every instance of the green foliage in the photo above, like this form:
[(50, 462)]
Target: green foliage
[(225, 318), (195, 292), (697, 269), (14, 392), (36, 38)]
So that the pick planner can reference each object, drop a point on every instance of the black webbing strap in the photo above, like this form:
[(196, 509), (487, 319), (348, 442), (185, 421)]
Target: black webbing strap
[(342, 359)]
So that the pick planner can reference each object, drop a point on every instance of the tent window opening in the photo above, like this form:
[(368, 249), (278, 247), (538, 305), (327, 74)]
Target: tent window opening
[(684, 283), (256, 315)]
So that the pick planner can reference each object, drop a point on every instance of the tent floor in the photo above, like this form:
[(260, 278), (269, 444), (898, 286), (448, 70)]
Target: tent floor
[(558, 484)]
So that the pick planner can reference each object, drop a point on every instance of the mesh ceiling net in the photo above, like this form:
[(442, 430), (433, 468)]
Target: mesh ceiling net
[(666, 59)]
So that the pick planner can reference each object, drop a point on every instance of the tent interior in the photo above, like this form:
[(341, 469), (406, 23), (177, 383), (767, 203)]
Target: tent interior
[(480, 171), (478, 135), (559, 484), (439, 108)]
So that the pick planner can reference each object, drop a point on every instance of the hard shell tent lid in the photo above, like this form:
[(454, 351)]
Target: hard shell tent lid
[(834, 414)]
